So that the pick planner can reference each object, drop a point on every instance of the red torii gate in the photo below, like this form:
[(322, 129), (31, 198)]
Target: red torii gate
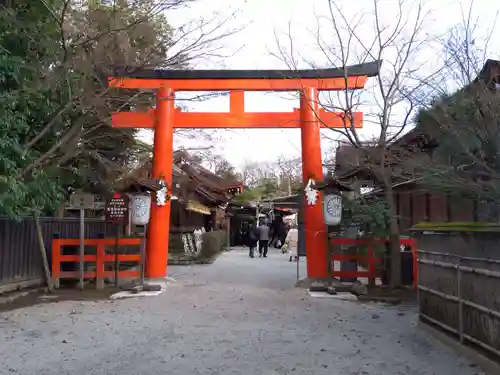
[(165, 117)]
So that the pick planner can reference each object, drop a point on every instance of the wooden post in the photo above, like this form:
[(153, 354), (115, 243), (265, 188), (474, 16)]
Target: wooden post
[(371, 265), (143, 257), (56, 263), (460, 301), (43, 253), (117, 263), (228, 231), (100, 255), (81, 265), (414, 251)]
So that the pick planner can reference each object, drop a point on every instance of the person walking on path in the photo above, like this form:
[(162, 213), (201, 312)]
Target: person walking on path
[(263, 239), (292, 243), (278, 233), (252, 239)]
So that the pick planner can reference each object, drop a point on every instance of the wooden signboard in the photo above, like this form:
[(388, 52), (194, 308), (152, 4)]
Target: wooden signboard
[(82, 200), (117, 208)]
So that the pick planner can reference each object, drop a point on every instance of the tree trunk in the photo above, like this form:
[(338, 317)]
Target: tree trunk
[(395, 249), (60, 210), (43, 253)]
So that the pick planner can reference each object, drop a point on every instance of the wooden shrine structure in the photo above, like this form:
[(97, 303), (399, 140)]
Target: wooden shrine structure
[(198, 196), (309, 118)]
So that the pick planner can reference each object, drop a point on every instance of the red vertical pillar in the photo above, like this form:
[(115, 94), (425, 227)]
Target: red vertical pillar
[(159, 224), (312, 167)]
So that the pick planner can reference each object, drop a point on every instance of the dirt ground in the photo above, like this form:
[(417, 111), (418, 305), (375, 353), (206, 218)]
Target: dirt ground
[(236, 316)]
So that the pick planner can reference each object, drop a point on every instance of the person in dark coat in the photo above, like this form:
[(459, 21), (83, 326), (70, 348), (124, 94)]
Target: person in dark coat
[(282, 232), (278, 233), (252, 239)]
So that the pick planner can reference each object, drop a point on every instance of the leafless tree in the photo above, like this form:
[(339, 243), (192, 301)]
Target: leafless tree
[(289, 171), (255, 173), (396, 35), (464, 50)]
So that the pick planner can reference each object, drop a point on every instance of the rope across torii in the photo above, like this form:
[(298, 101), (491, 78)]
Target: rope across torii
[(166, 117)]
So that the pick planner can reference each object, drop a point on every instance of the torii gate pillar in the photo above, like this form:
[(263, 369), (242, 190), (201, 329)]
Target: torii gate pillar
[(159, 224), (312, 168)]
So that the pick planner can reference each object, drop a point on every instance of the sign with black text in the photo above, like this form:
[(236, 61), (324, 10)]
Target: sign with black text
[(117, 208)]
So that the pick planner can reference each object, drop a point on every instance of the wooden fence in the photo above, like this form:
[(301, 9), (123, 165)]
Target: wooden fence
[(104, 262), (364, 255), (20, 259), (459, 294)]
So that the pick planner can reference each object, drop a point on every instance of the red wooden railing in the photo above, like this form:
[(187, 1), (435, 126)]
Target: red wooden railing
[(100, 258), (371, 273)]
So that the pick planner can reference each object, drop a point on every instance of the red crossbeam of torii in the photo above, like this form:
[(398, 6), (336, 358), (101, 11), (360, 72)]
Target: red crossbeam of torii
[(236, 118), (309, 118)]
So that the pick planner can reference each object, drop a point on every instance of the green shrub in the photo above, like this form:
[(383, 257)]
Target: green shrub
[(379, 251), (213, 243), (176, 246)]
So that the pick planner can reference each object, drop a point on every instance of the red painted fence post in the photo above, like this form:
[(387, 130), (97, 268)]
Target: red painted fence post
[(414, 251), (99, 272), (56, 262), (371, 267)]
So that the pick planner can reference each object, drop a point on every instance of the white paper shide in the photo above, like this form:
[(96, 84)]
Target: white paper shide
[(162, 194), (311, 193)]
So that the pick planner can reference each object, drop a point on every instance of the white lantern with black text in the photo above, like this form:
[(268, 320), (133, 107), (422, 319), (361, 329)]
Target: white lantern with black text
[(332, 209), (141, 206)]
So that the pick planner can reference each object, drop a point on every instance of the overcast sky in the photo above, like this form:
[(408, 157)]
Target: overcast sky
[(251, 47)]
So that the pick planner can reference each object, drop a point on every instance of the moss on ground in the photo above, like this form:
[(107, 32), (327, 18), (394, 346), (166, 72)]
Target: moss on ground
[(457, 227)]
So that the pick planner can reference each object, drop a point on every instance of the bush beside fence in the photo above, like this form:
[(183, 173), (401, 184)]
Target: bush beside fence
[(213, 244)]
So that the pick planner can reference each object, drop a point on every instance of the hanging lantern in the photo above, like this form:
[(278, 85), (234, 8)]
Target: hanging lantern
[(141, 206), (332, 208), (333, 191)]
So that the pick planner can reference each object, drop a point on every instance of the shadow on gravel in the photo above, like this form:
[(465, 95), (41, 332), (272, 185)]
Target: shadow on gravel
[(20, 300)]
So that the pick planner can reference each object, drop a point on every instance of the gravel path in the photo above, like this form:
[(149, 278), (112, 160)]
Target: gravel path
[(237, 316)]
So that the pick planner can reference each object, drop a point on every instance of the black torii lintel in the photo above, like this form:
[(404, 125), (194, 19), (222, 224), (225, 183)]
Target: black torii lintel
[(370, 69)]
